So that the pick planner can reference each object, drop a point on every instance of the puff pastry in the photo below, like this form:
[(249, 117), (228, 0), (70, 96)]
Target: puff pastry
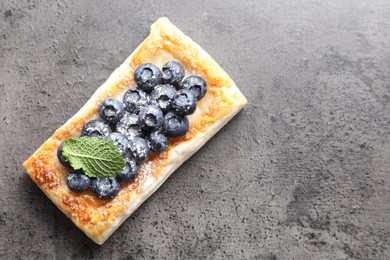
[(98, 219)]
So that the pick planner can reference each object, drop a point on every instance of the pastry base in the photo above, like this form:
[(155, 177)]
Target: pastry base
[(98, 219)]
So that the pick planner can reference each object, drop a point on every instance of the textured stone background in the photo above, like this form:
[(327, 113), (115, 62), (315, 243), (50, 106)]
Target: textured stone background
[(302, 173)]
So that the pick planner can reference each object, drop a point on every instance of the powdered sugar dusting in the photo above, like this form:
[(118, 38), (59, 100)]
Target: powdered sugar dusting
[(147, 169), (145, 174)]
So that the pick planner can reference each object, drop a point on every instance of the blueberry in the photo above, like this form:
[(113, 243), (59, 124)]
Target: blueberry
[(77, 181), (129, 126), (134, 99), (173, 72), (120, 141), (111, 110), (139, 149), (162, 96), (130, 132), (128, 120), (130, 171), (197, 85), (157, 141), (184, 102), (147, 76), (61, 157), (96, 128), (175, 126), (105, 188), (150, 117)]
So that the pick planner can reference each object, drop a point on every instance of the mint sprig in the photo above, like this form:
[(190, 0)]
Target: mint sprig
[(97, 157)]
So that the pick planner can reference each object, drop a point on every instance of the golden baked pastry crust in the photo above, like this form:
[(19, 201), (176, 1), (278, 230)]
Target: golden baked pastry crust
[(98, 219)]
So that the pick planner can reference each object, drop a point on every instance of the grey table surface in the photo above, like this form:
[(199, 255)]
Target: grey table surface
[(303, 172)]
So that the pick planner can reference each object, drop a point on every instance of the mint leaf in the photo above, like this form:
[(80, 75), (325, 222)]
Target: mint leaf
[(97, 157)]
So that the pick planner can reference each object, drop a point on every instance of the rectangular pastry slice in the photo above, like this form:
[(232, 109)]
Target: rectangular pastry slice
[(97, 218)]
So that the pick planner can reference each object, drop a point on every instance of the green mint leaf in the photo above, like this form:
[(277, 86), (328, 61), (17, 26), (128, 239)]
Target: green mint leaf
[(97, 157)]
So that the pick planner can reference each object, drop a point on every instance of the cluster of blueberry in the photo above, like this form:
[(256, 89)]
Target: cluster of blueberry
[(143, 123)]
